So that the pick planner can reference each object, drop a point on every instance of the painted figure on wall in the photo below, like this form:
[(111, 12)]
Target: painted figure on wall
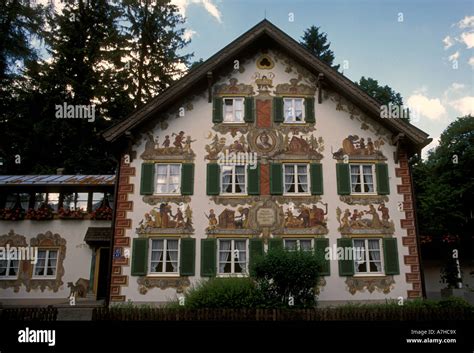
[(181, 146), (356, 219), (308, 217), (228, 219), (163, 218), (354, 145)]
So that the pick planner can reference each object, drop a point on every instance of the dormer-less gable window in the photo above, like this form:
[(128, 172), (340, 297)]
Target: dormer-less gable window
[(293, 109), (233, 110)]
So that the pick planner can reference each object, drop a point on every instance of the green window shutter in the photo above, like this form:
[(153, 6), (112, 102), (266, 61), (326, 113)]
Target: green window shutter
[(147, 181), (390, 253), (213, 179), (316, 173), (309, 110), (249, 115), (208, 257), (255, 250), (276, 179), (383, 185), (275, 243), (217, 114), (253, 181), (187, 178), (346, 267), (187, 257), (320, 245), (278, 116), (343, 179), (140, 257)]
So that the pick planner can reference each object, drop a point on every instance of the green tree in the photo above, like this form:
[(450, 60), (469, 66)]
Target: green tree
[(317, 43), (444, 183), (385, 95), (154, 43)]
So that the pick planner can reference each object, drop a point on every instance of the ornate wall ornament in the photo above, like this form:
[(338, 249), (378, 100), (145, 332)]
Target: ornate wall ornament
[(265, 62), (14, 240), (162, 220), (267, 217), (296, 129), (369, 124), (305, 219), (355, 223), (264, 82), (233, 129), (229, 219), (181, 149), (363, 199), (266, 142), (309, 147), (218, 147), (147, 283), (297, 200), (382, 284), (234, 201), (234, 88), (293, 88), (360, 149), (153, 200), (303, 73), (48, 240)]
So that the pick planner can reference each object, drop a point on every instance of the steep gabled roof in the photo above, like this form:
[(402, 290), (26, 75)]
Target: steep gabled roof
[(266, 32)]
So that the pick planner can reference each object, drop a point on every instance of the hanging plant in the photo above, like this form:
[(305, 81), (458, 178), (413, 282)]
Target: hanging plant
[(43, 213), (67, 213), (12, 214), (103, 213)]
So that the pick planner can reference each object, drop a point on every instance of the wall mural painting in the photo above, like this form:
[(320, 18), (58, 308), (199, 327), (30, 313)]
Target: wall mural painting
[(219, 145), (356, 221), (360, 147), (233, 87), (167, 218), (229, 219), (307, 218), (14, 240), (294, 88), (173, 145), (311, 146), (264, 82)]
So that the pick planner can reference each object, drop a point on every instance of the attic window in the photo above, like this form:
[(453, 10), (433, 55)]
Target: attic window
[(264, 62)]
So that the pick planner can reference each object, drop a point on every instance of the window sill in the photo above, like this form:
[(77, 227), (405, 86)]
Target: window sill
[(371, 275), (163, 275), (231, 275), (296, 195)]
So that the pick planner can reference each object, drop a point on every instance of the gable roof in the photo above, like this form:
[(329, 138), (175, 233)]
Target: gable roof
[(266, 32)]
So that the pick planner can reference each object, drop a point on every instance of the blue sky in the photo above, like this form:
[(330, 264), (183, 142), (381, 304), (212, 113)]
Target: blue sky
[(422, 49)]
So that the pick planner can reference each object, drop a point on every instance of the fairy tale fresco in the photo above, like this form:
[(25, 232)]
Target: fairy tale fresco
[(280, 151)]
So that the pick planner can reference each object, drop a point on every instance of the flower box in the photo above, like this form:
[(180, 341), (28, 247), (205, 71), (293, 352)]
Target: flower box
[(103, 213), (12, 214), (43, 213), (67, 213)]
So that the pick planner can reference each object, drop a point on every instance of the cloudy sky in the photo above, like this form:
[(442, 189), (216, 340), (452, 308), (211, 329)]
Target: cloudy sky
[(423, 49)]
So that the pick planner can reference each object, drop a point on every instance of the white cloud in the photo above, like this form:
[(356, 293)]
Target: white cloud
[(453, 57), (466, 22), (430, 108), (464, 105), (208, 5), (188, 34), (448, 42), (471, 61), (468, 39)]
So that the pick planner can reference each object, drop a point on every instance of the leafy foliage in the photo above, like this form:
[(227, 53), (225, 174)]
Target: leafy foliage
[(224, 293), (317, 43), (282, 274)]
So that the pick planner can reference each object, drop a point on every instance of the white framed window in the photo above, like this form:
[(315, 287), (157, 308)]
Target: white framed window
[(46, 263), (362, 178), (9, 269), (293, 109), (164, 256), (298, 244), (296, 178), (168, 178), (232, 257), (234, 179), (233, 110), (368, 257)]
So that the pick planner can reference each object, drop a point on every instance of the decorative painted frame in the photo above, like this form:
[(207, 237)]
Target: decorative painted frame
[(14, 240)]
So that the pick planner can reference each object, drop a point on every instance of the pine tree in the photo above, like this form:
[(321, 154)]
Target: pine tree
[(317, 43)]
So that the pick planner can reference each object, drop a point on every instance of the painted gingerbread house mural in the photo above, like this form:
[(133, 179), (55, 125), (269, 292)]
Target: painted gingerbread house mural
[(263, 145)]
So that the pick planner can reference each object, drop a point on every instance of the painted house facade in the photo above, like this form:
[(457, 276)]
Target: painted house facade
[(263, 145), (55, 235)]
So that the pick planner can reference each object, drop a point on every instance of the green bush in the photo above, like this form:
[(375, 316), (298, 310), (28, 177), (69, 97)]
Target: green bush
[(227, 293), (282, 274)]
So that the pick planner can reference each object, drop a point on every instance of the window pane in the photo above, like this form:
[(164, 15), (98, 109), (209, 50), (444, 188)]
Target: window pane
[(161, 169), (172, 244), (53, 200), (174, 169), (290, 244), (97, 198), (305, 244), (68, 200), (82, 200), (39, 199), (157, 244)]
